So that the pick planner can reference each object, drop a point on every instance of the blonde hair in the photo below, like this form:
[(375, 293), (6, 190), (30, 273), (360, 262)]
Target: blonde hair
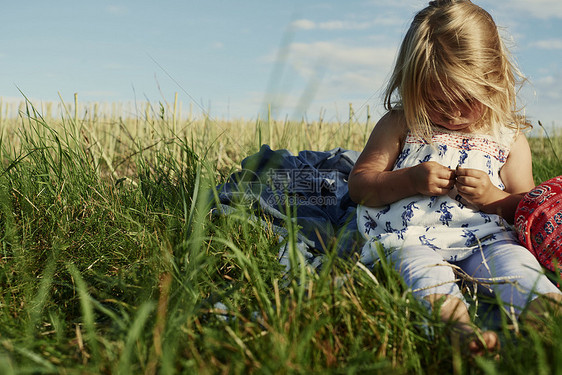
[(454, 46)]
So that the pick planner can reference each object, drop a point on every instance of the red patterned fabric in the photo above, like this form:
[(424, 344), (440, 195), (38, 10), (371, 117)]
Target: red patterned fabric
[(538, 222)]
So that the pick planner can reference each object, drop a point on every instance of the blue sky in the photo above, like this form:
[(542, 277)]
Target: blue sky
[(233, 57)]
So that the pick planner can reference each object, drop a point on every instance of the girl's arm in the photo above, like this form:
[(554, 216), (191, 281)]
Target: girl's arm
[(372, 182), (516, 174)]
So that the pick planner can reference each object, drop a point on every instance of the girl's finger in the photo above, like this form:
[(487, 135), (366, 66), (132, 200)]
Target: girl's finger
[(464, 189), (469, 172), (469, 181), (463, 180), (450, 184), (451, 175)]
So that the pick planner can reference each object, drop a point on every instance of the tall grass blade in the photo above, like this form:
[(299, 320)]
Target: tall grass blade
[(550, 142), (43, 292), (87, 313), (6, 366), (134, 334)]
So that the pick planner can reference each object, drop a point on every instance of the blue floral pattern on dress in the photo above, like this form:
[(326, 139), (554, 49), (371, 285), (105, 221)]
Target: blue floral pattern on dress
[(399, 232), (471, 238), (425, 159), (446, 215), (428, 242), (408, 212), (370, 223), (489, 164), (401, 157), (463, 155), (383, 211)]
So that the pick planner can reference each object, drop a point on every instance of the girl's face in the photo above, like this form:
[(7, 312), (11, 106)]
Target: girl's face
[(455, 115)]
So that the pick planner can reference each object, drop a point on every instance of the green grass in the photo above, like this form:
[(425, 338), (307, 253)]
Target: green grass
[(111, 263)]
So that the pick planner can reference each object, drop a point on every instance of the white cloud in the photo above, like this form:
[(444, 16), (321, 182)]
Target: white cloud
[(344, 25), (306, 24), (340, 56), (116, 10), (547, 80), (340, 72), (548, 44), (303, 24), (400, 4), (543, 9), (329, 75), (548, 87), (542, 98)]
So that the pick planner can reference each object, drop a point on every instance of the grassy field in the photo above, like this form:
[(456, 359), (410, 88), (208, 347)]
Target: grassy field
[(111, 263)]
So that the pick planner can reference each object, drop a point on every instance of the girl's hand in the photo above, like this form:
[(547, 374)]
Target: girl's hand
[(476, 187), (431, 178)]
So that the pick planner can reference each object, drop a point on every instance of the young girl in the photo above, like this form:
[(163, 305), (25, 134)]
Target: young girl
[(443, 171)]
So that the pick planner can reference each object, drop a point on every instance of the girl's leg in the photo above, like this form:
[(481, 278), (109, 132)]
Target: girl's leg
[(425, 272), (517, 276), (433, 280)]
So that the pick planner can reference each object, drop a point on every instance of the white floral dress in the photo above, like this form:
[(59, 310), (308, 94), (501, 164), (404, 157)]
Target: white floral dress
[(447, 224)]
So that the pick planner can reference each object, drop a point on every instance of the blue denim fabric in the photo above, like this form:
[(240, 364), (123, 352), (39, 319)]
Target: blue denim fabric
[(315, 182)]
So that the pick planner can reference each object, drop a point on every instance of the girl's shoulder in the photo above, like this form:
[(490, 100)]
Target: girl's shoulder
[(394, 122), (395, 117)]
